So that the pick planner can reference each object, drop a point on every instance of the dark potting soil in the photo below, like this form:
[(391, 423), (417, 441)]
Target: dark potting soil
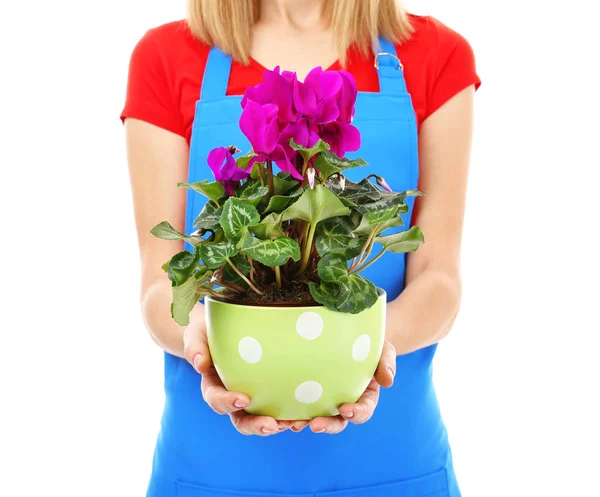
[(295, 294)]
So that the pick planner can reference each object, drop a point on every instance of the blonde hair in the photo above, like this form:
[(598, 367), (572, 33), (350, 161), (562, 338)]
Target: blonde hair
[(355, 23)]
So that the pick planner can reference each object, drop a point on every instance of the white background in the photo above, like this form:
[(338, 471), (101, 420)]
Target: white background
[(81, 380)]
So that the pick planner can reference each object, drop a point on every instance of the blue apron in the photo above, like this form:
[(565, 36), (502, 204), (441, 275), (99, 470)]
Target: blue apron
[(403, 450)]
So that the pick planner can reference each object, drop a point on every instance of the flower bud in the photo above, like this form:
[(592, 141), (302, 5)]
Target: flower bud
[(311, 177), (383, 183)]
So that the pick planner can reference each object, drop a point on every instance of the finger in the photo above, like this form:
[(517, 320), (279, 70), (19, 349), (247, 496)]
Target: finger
[(195, 347), (331, 425), (248, 424), (363, 409), (298, 426), (386, 370), (217, 396)]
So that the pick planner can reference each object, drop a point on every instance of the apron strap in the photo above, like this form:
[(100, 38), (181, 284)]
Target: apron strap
[(389, 69), (216, 75)]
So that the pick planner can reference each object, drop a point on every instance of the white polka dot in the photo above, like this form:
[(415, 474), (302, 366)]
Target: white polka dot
[(309, 325), (309, 392), (361, 348), (250, 350)]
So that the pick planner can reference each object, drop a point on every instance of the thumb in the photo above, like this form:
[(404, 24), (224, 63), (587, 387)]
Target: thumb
[(195, 346)]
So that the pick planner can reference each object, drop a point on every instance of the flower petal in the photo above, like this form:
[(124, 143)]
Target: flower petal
[(215, 160), (305, 100), (348, 96)]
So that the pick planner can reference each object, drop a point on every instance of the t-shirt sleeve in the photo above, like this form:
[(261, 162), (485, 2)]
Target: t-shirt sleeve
[(454, 67), (150, 96)]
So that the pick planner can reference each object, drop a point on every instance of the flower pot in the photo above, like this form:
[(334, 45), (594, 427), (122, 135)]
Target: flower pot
[(295, 362)]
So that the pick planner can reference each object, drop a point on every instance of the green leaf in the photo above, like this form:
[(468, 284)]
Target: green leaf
[(336, 238), (182, 265), (278, 203), (215, 255), (242, 161), (343, 225), (356, 295), (333, 268), (269, 228), (257, 169), (187, 295), (403, 241), (382, 215), (343, 245), (348, 203), (365, 227), (284, 185), (326, 294), (309, 153), (230, 276), (237, 216), (358, 193), (165, 231), (328, 163), (316, 204), (271, 253), (387, 200), (252, 192), (213, 190), (209, 218)]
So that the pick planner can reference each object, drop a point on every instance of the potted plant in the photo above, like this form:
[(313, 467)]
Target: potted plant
[(278, 255)]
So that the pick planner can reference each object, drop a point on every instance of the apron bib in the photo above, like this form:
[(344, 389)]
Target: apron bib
[(403, 450)]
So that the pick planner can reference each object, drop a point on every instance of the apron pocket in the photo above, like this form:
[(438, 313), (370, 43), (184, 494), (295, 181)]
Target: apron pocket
[(190, 490), (432, 485)]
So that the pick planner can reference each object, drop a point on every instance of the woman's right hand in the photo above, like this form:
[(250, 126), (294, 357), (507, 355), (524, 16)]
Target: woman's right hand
[(214, 392)]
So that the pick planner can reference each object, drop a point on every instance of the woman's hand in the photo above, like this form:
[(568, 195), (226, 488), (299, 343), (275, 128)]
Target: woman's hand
[(363, 409), (214, 392)]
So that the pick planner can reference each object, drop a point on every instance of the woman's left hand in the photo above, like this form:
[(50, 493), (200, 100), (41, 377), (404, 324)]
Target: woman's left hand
[(364, 407)]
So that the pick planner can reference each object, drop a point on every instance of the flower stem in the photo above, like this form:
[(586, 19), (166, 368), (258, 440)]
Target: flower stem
[(251, 269), (277, 270), (260, 175), (271, 183), (241, 275), (304, 168), (359, 260), (366, 265), (307, 249), (230, 286)]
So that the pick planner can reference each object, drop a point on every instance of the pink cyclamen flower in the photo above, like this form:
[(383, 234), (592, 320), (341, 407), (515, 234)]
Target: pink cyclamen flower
[(223, 165), (276, 88), (261, 126), (317, 97), (341, 137)]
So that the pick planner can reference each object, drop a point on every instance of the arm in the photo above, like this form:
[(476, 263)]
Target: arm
[(425, 311), (157, 162)]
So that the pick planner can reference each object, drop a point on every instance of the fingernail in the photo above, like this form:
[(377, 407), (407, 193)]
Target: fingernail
[(391, 372), (198, 361), (348, 415), (240, 404), (267, 430), (322, 430)]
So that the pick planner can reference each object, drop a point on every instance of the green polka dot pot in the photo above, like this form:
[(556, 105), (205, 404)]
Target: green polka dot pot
[(295, 362)]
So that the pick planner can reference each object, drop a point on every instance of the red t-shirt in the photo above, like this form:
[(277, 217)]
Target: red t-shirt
[(167, 66)]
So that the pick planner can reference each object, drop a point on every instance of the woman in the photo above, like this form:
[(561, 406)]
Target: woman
[(418, 83)]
